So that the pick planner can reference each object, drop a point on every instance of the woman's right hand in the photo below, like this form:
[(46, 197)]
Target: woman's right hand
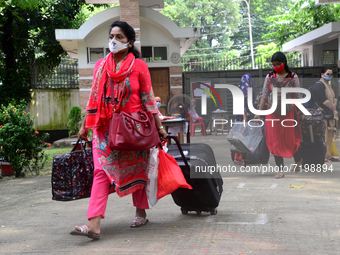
[(83, 132), (162, 134), (333, 107)]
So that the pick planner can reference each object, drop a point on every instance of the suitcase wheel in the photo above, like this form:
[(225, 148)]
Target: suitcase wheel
[(184, 211), (213, 212), (198, 212)]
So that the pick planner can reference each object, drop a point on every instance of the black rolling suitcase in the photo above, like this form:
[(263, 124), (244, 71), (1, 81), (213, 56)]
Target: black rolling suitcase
[(312, 147), (207, 188), (312, 152)]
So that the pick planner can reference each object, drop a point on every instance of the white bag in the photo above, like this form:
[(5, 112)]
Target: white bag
[(151, 187)]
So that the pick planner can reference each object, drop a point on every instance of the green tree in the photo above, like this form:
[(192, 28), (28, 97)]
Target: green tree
[(265, 53), (303, 17), (27, 40), (215, 19), (260, 12)]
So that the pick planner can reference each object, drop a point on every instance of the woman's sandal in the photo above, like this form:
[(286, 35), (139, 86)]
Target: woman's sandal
[(279, 175), (84, 231), (138, 222), (333, 159)]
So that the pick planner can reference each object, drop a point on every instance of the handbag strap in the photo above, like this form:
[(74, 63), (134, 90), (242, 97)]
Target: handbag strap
[(133, 121), (120, 96)]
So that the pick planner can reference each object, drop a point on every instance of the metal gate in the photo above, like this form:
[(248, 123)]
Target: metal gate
[(307, 77)]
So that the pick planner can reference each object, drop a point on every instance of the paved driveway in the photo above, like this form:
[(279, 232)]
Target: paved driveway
[(257, 215)]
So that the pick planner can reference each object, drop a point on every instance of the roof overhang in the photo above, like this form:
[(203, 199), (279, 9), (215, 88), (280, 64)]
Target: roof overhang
[(320, 35), (187, 35), (154, 4), (69, 38), (327, 1)]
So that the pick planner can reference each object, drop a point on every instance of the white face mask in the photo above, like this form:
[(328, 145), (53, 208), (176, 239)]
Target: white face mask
[(116, 46)]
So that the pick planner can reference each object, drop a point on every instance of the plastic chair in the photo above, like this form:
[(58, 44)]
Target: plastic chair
[(197, 123)]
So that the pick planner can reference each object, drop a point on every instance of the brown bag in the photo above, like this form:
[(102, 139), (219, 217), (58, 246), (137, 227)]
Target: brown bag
[(289, 107)]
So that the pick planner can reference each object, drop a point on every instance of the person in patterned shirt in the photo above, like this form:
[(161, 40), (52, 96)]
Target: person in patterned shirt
[(121, 74), (282, 141)]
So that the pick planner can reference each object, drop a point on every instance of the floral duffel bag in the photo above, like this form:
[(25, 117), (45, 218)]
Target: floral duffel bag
[(72, 174)]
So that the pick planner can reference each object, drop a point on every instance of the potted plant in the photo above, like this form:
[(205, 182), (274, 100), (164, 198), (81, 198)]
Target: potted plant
[(6, 168), (74, 123), (20, 144), (75, 116)]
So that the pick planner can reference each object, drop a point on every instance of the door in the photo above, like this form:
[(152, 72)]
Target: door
[(160, 84)]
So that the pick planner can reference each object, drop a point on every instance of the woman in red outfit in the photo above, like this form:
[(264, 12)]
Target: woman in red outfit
[(123, 172), (282, 141)]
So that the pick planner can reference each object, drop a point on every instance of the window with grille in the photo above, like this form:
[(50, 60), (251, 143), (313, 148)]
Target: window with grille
[(154, 53), (330, 57)]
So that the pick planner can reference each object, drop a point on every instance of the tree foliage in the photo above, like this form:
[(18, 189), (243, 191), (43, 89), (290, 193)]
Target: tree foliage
[(224, 26), (261, 12), (303, 17), (27, 40), (215, 19)]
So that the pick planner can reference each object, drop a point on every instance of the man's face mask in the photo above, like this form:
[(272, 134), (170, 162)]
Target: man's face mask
[(158, 104), (116, 46)]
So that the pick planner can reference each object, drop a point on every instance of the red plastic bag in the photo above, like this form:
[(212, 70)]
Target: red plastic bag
[(170, 176)]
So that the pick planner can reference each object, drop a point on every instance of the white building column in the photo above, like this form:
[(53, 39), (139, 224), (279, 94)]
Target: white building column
[(310, 55), (305, 57), (339, 51), (318, 55)]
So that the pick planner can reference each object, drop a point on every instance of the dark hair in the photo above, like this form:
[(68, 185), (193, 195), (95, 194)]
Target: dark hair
[(323, 70), (129, 32), (281, 57)]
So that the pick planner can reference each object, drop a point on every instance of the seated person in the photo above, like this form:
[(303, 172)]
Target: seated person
[(193, 113), (161, 116), (173, 130)]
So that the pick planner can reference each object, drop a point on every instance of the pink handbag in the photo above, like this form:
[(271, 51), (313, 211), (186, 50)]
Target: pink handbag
[(135, 131)]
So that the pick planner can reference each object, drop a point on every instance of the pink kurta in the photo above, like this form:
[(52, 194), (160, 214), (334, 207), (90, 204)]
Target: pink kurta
[(127, 170)]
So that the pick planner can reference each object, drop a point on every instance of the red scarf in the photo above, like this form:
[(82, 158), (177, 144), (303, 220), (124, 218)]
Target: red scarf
[(100, 110)]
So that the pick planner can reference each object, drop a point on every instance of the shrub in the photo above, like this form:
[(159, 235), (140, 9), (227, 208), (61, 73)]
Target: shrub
[(20, 143), (74, 123)]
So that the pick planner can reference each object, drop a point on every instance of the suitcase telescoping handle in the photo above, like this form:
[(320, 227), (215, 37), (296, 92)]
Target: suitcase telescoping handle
[(175, 138)]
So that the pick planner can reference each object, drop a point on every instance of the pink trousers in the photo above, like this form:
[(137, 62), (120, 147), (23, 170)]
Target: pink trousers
[(101, 190)]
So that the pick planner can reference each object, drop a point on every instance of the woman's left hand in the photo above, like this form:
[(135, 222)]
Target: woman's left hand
[(163, 134)]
